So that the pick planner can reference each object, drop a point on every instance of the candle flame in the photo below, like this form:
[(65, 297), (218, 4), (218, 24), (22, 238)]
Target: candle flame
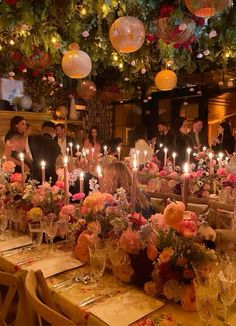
[(221, 155), (174, 155), (65, 160), (43, 164), (185, 168), (118, 149), (21, 156), (210, 155), (189, 150), (70, 144), (165, 149), (81, 175), (99, 170)]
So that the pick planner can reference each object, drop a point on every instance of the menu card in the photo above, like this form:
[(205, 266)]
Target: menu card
[(15, 243), (56, 265), (125, 309)]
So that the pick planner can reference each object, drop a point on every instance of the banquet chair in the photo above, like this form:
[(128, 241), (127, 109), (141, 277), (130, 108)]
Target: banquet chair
[(14, 308), (42, 311), (225, 240)]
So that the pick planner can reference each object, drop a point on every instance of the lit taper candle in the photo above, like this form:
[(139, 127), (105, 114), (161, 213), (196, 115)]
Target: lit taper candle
[(43, 166), (22, 161)]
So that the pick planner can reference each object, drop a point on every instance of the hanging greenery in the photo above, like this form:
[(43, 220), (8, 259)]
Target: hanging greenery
[(35, 34)]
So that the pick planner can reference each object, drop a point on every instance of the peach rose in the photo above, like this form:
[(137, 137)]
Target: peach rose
[(130, 242), (165, 255), (150, 289), (188, 302), (68, 210), (123, 272), (152, 252), (8, 166), (85, 241), (173, 214)]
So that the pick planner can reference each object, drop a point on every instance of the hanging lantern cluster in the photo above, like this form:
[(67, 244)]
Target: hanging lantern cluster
[(127, 34), (170, 33), (86, 89), (76, 63), (166, 80), (206, 8)]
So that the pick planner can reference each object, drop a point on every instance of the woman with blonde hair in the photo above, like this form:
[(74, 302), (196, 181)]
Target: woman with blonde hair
[(117, 175)]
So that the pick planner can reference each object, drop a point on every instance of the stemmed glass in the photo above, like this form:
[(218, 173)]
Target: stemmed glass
[(227, 284), (3, 224), (206, 292), (50, 228), (36, 233), (98, 262)]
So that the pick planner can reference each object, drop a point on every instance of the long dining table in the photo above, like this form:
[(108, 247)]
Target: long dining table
[(86, 302)]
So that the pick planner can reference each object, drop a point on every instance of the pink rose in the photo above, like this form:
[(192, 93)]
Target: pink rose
[(16, 177), (36, 199), (173, 175), (68, 209), (8, 166), (188, 228), (221, 172), (85, 241), (60, 184), (130, 242), (199, 173), (163, 173), (137, 218), (231, 178), (78, 196)]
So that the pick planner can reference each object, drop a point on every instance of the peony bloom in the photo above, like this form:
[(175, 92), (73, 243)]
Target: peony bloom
[(16, 177), (85, 241), (188, 228), (165, 255), (36, 199), (96, 201), (8, 166), (231, 178), (173, 214), (137, 218), (130, 242), (163, 173)]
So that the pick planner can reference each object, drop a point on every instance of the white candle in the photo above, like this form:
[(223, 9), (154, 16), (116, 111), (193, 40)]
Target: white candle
[(67, 151), (221, 155), (105, 150), (165, 156), (43, 165), (81, 182), (118, 150), (99, 173), (204, 148), (211, 166), (22, 160), (174, 157), (145, 157), (189, 150), (92, 150), (186, 177), (66, 184), (134, 185), (71, 149), (77, 148)]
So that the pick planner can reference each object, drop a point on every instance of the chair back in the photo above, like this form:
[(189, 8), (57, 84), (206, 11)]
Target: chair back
[(43, 312), (225, 240)]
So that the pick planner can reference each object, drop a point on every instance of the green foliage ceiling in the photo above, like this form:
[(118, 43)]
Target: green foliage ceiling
[(51, 25)]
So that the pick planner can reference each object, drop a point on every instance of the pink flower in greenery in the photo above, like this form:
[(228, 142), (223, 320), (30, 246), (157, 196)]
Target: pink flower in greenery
[(60, 184), (163, 173), (188, 228), (221, 172), (137, 218), (231, 178), (78, 196)]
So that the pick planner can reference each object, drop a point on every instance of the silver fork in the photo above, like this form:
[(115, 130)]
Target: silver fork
[(80, 278)]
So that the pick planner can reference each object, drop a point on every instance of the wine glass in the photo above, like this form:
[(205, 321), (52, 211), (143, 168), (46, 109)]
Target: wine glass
[(98, 262), (50, 228), (3, 224), (227, 284), (206, 292), (36, 233)]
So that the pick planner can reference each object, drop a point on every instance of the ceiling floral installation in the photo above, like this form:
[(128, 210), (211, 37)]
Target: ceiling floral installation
[(181, 35)]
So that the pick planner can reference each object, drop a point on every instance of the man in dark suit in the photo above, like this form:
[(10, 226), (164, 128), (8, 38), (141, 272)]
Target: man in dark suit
[(64, 141), (48, 129), (197, 136), (38, 148)]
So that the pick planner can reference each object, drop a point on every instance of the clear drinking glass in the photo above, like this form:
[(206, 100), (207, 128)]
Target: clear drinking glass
[(50, 228), (3, 224), (36, 233), (98, 262)]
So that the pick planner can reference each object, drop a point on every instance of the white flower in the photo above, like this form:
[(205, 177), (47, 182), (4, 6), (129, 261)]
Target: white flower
[(52, 92), (44, 78), (221, 83), (61, 85), (24, 70), (133, 63), (182, 27), (126, 79), (51, 79), (230, 83), (11, 74), (191, 89), (143, 71), (85, 34), (199, 55), (206, 52), (212, 33)]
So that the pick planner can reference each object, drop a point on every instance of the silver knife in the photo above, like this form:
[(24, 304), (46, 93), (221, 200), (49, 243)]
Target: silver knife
[(91, 299)]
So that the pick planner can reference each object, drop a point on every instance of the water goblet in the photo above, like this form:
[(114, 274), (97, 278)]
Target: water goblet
[(50, 228), (97, 262), (3, 224), (36, 233)]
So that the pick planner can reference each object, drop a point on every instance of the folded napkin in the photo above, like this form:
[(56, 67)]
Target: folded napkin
[(15, 243)]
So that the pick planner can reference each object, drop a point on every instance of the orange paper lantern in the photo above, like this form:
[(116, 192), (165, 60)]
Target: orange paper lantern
[(166, 30), (86, 89), (206, 8), (166, 80), (127, 34), (76, 64)]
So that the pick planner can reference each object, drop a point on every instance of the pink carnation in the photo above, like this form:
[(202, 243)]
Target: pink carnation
[(78, 196), (16, 177), (68, 209), (137, 218), (130, 242), (221, 172), (231, 178), (199, 173), (8, 166), (163, 173), (188, 228)]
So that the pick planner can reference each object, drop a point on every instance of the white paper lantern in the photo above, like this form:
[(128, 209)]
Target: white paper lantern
[(25, 102), (76, 64)]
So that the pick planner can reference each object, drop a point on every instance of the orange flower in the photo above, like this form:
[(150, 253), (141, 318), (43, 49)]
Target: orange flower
[(173, 214), (152, 252), (85, 241), (165, 255)]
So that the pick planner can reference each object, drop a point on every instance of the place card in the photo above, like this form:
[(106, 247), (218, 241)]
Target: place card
[(56, 265), (15, 243), (125, 309)]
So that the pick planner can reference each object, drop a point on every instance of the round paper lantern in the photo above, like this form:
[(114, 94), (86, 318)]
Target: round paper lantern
[(61, 111), (127, 34), (76, 64), (168, 33), (25, 102), (166, 80), (38, 60), (86, 89), (206, 8)]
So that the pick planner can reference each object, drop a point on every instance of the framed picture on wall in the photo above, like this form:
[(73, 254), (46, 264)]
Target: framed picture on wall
[(11, 88)]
